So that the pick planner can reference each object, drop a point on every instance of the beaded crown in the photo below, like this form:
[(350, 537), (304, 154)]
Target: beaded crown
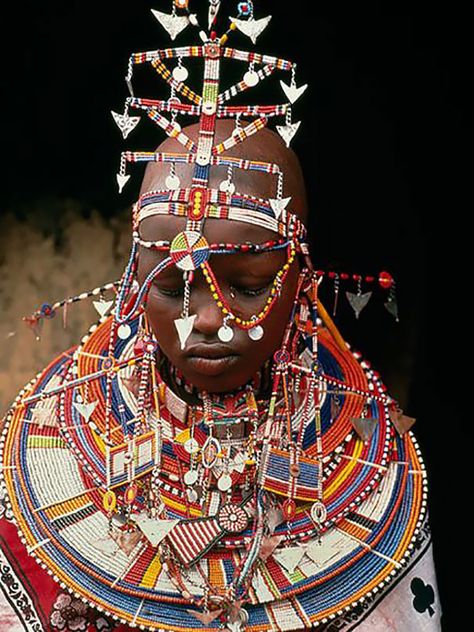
[(198, 201)]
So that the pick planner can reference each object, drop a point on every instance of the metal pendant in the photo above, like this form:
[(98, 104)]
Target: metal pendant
[(251, 78), (227, 186), (358, 301), (224, 482), (85, 410), (288, 131), (252, 28), (102, 307), (180, 74), (184, 327), (122, 180), (290, 557), (292, 92), (173, 24), (172, 181), (365, 427), (154, 530), (124, 331), (125, 123), (256, 333), (190, 477), (279, 205), (225, 333), (392, 307)]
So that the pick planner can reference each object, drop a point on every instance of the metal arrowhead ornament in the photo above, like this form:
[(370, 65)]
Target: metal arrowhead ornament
[(206, 617), (292, 92), (365, 427), (126, 541), (85, 410), (174, 24), (290, 557), (184, 327), (269, 544), (214, 7), (252, 28), (358, 301), (278, 206), (288, 131), (402, 422), (392, 307), (155, 530), (122, 181), (102, 307), (125, 123)]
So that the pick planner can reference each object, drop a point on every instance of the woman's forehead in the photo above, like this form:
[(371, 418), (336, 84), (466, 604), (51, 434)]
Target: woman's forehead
[(216, 231)]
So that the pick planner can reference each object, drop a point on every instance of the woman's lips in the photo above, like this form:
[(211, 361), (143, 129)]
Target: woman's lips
[(210, 359)]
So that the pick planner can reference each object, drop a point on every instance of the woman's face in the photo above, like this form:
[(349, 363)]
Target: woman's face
[(244, 279)]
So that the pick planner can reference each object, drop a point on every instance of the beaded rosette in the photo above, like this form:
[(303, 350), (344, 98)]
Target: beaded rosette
[(151, 509)]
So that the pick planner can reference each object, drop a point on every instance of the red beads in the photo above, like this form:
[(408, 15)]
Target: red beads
[(385, 280)]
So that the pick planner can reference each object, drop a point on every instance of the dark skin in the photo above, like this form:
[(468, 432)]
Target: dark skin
[(245, 279)]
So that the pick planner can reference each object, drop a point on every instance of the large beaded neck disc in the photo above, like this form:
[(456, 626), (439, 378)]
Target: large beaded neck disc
[(309, 567)]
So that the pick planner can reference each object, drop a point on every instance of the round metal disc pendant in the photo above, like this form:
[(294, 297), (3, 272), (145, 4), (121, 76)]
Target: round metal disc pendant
[(191, 446), (190, 477), (172, 182), (225, 482), (180, 73), (256, 333), (189, 250), (192, 495), (251, 78), (225, 333), (124, 331), (232, 518), (227, 187)]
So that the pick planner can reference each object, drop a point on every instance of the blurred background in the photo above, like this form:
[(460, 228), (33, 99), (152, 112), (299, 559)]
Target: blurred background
[(386, 147)]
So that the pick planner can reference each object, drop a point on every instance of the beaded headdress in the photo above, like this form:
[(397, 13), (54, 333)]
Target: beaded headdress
[(130, 498)]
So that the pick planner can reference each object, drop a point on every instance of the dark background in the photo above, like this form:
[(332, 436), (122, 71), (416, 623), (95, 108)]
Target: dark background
[(386, 146)]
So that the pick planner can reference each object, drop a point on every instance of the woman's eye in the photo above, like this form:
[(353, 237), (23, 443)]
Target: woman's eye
[(172, 293), (249, 291)]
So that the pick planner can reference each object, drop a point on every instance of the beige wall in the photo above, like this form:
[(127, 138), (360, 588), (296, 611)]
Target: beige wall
[(35, 270)]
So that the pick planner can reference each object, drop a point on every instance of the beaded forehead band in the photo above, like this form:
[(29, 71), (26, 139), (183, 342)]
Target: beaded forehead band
[(189, 250)]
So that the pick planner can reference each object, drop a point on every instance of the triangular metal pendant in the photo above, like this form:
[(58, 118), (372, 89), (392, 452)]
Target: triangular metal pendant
[(173, 24), (102, 307), (155, 530), (206, 617), (402, 422), (85, 410), (288, 131), (125, 123), (252, 28), (358, 301), (184, 327), (392, 307), (278, 206), (122, 181), (292, 92), (290, 557), (126, 541), (364, 426)]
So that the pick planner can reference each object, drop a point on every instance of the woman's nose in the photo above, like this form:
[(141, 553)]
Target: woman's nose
[(208, 314)]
